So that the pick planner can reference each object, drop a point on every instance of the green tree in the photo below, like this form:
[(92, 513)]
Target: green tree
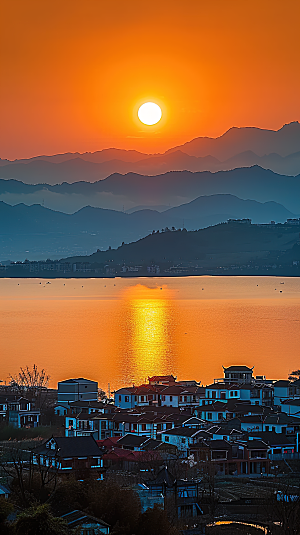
[(39, 521)]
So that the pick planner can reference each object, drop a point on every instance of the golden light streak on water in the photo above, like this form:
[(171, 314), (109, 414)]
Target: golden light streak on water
[(120, 331)]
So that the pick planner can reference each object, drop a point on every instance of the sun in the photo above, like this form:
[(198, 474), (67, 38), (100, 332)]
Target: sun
[(149, 113)]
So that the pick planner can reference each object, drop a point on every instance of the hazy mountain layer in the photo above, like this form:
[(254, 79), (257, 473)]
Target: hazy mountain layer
[(284, 141), (239, 147), (172, 188), (37, 232)]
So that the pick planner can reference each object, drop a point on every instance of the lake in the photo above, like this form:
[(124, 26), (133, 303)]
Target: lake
[(120, 331)]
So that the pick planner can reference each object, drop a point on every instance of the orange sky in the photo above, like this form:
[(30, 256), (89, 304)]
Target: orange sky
[(73, 73)]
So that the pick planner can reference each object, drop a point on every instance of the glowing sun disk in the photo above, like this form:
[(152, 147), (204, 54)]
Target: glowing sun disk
[(149, 113)]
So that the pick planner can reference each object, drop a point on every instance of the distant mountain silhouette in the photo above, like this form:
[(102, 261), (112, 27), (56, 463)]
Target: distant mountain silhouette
[(238, 147), (219, 207), (99, 156), (36, 231), (172, 188), (284, 141)]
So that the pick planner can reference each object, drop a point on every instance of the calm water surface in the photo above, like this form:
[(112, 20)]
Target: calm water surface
[(119, 331)]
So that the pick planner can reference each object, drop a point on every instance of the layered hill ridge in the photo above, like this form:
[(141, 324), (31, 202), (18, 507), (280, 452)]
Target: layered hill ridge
[(238, 147), (236, 140), (124, 192), (37, 232)]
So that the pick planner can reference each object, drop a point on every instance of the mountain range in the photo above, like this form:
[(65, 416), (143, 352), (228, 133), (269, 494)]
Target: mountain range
[(124, 192), (278, 151), (38, 232)]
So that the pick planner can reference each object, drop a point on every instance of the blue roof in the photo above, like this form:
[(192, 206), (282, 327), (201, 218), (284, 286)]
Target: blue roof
[(4, 490)]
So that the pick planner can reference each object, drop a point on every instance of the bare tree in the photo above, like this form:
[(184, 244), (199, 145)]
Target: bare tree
[(30, 382), (32, 480), (15, 462)]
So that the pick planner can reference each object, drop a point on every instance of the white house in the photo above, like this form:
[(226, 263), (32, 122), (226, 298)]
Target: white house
[(181, 437)]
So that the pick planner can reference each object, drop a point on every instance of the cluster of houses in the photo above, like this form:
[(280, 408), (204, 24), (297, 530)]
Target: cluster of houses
[(240, 423), (18, 411)]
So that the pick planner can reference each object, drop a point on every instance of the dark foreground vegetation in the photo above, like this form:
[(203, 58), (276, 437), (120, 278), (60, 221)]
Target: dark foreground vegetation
[(119, 507)]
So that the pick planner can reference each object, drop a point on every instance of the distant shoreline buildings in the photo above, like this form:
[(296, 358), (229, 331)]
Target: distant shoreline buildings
[(285, 261)]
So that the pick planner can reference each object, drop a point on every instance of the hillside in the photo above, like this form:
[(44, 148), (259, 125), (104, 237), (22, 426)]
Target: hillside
[(220, 245), (36, 232)]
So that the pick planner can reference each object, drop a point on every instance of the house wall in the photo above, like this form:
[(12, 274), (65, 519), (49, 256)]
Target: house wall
[(290, 409), (280, 393), (169, 401), (125, 400), (77, 391)]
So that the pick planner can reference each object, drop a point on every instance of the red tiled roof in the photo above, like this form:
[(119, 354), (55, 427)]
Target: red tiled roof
[(174, 389), (157, 378), (130, 455), (109, 442)]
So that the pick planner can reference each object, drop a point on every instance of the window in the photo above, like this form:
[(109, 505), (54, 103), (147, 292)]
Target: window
[(167, 438), (142, 398), (183, 440), (120, 398), (258, 454), (231, 393), (236, 393), (163, 398), (220, 415), (209, 415), (67, 463), (143, 427), (266, 428), (171, 398), (213, 394), (180, 398), (219, 454), (126, 399), (223, 395), (135, 398)]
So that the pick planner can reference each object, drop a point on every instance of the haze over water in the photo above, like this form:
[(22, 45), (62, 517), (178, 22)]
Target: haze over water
[(119, 331)]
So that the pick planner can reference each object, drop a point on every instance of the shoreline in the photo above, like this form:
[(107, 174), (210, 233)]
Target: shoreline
[(228, 273)]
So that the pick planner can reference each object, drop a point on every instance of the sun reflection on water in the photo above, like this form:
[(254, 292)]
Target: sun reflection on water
[(149, 338)]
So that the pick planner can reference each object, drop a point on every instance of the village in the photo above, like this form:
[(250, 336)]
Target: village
[(202, 453)]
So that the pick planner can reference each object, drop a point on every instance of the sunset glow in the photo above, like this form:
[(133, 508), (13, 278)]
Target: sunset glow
[(202, 64)]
